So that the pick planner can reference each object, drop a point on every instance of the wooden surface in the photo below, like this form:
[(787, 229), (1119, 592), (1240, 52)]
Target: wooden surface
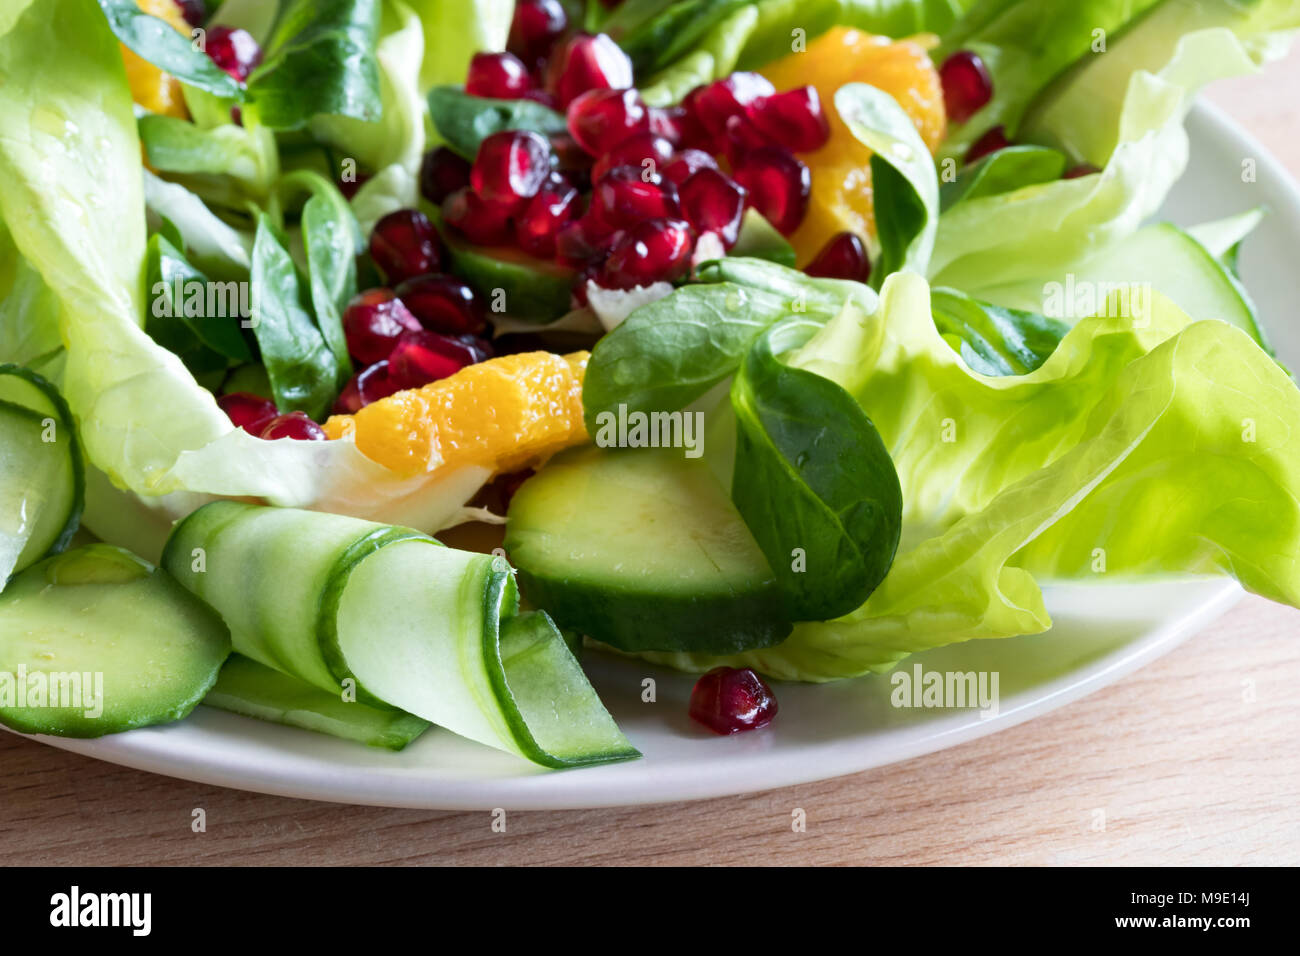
[(1195, 759)]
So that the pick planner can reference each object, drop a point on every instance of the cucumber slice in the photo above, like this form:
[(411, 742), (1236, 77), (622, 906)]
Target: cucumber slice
[(129, 644), (404, 620), (253, 690), (642, 549), (42, 480), (535, 290)]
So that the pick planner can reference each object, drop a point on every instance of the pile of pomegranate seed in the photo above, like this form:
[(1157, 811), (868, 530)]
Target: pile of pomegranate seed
[(729, 700)]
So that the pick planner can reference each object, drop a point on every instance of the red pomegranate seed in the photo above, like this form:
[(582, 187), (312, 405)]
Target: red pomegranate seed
[(498, 76), (742, 137), (585, 63), (194, 12), (536, 227), (779, 186), (1083, 169), (442, 304), (623, 197), (373, 322), (350, 187), (247, 411), (653, 250), (843, 257), (645, 151), (511, 166), (728, 700), (725, 98), (233, 50), (992, 141), (669, 123), (369, 385), (686, 164), (967, 86), (483, 222), (442, 172), (713, 202), (536, 26), (295, 425), (405, 244), (421, 357), (583, 240), (694, 133), (794, 119), (601, 119)]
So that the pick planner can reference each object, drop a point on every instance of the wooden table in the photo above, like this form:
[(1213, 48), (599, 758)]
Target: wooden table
[(1195, 759)]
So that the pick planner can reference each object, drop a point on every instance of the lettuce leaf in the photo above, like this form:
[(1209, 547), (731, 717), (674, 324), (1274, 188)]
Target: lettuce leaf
[(1174, 447), (454, 30)]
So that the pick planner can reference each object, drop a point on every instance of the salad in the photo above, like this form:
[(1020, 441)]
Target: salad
[(771, 341)]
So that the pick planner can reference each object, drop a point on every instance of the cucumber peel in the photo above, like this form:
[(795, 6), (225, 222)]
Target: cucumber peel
[(42, 476), (394, 617)]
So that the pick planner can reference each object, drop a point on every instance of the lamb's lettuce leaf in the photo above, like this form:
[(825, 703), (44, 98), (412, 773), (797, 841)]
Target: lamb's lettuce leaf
[(1002, 172), (158, 42), (397, 137), (1174, 447), (994, 340), (243, 154), (213, 245), (464, 121)]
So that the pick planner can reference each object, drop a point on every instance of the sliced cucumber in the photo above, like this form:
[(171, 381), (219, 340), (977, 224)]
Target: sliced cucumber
[(112, 637), (42, 480), (343, 604), (527, 287), (254, 690), (642, 549), (759, 239)]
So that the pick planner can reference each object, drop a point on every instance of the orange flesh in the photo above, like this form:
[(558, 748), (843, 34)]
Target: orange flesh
[(153, 89)]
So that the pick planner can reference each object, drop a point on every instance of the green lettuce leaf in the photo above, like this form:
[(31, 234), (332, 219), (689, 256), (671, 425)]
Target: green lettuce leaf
[(454, 30), (158, 42), (1174, 447)]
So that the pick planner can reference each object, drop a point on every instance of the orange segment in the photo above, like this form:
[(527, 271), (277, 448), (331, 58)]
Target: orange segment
[(841, 171), (504, 414), (153, 89)]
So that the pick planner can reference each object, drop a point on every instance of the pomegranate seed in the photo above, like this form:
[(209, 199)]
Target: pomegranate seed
[(686, 164), (442, 304), (585, 63), (582, 240), (728, 700), (295, 425), (843, 257), (967, 85), (233, 50), (725, 98), (497, 76), (741, 138), (669, 123), (555, 204), (694, 133), (779, 186), (644, 150), (483, 222), (442, 172), (421, 357), (350, 187), (194, 12), (369, 385), (794, 119), (372, 323), (511, 166), (623, 197), (713, 202), (601, 119), (247, 411), (1083, 169), (992, 141), (653, 250), (405, 244), (536, 26)]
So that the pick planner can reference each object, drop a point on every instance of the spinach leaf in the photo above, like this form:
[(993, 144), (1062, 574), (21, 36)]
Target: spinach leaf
[(1001, 172), (299, 362), (320, 59), (905, 184), (670, 352), (994, 340), (197, 319), (332, 241), (244, 154), (812, 480), (155, 41), (464, 121), (663, 38)]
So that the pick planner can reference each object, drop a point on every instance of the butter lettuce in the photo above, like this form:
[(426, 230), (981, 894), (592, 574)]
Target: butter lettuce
[(1173, 447)]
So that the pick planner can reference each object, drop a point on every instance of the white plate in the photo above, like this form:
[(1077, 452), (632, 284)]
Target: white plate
[(822, 731)]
